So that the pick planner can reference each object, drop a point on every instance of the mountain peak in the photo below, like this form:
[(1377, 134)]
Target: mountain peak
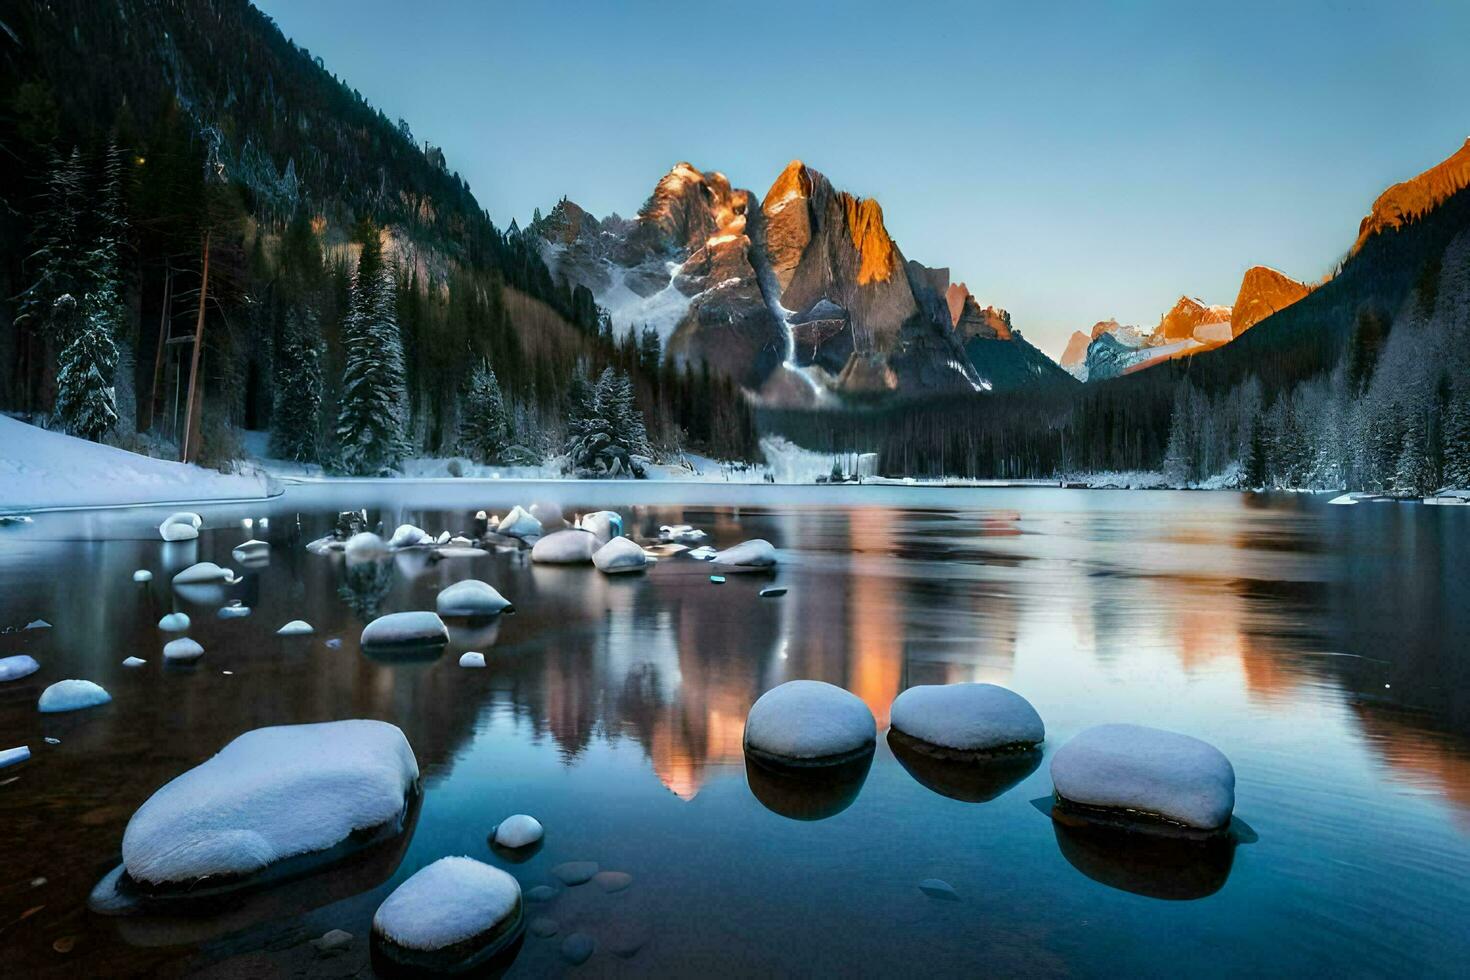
[(1263, 291), (1415, 197)]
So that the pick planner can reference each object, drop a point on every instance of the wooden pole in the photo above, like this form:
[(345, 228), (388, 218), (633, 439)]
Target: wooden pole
[(189, 445), (163, 322)]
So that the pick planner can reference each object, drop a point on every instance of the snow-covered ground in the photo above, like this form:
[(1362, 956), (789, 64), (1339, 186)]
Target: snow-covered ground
[(41, 469)]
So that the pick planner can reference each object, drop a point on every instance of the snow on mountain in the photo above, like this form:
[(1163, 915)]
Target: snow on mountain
[(39, 468)]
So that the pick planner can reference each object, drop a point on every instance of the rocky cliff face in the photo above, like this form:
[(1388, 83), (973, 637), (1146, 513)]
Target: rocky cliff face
[(1185, 319), (804, 294), (1263, 291), (1412, 198)]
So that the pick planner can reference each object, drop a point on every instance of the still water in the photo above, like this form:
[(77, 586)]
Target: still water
[(1323, 649)]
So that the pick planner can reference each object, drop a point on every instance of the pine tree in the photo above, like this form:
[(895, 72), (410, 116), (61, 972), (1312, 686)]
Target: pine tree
[(58, 267), (1413, 474), (484, 424), (104, 261), (1457, 438), (85, 402), (372, 424), (297, 404)]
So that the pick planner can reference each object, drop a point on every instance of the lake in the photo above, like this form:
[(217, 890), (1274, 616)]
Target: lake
[(1323, 649)]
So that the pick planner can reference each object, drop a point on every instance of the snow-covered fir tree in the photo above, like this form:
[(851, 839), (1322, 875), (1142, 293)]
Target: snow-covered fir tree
[(85, 403), (296, 408), (372, 423), (57, 265), (1457, 437), (484, 424), (606, 435)]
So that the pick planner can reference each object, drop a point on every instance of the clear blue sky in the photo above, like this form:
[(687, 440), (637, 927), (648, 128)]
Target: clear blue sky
[(1070, 161)]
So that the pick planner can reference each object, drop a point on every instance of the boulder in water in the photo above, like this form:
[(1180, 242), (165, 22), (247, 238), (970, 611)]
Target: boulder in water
[(519, 830), (755, 555), (183, 526), (605, 524), (809, 723), (518, 524), (297, 627), (18, 666), (406, 629), (573, 546), (452, 916), (1145, 777), (620, 555), (182, 651), (967, 719), (471, 598), (71, 695), (201, 573), (409, 536), (365, 546)]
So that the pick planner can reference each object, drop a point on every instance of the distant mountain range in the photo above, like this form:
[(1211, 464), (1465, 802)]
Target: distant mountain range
[(801, 297)]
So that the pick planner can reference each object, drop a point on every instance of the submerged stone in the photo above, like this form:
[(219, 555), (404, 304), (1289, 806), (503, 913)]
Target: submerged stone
[(578, 948), (575, 872)]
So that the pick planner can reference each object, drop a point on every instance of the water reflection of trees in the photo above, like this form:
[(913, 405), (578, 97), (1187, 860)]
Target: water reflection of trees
[(365, 584)]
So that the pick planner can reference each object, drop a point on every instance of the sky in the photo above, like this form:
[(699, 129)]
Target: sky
[(1070, 162)]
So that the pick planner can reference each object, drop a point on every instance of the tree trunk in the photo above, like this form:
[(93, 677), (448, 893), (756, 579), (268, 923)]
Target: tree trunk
[(189, 445), (163, 322)]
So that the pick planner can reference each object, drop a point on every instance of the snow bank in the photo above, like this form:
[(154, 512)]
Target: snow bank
[(182, 651), (605, 524), (182, 526), (18, 666), (48, 469), (1147, 771), (406, 629), (573, 546), (271, 794), (297, 627), (174, 622), (471, 598), (519, 830), (71, 695), (967, 717), (472, 659), (457, 907), (620, 555), (9, 757), (753, 555), (518, 524), (809, 722)]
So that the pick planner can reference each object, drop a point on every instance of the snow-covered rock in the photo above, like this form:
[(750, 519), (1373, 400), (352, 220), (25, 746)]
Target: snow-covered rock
[(809, 722), (365, 546), (174, 622), (518, 524), (472, 659), (620, 555), (18, 666), (967, 718), (71, 695), (233, 611), (253, 551), (406, 629), (182, 651), (573, 546), (550, 515), (203, 572), (471, 598), (9, 757), (408, 536), (38, 624), (450, 917), (297, 627), (757, 554), (269, 795), (1135, 770), (681, 534), (519, 830), (142, 575), (605, 524), (134, 662), (183, 526)]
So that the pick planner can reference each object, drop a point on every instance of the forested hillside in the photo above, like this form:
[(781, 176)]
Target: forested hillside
[(181, 170)]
